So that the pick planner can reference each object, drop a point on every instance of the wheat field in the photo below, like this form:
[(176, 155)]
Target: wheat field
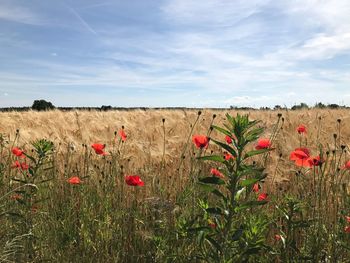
[(70, 204), (145, 132)]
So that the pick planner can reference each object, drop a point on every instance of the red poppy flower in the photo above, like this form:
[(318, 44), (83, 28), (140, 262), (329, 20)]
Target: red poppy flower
[(347, 229), (278, 237), (19, 165), (262, 197), (263, 144), (212, 225), (315, 161), (301, 157), (99, 148), (18, 152), (347, 218), (16, 197), (134, 180), (301, 129), (216, 172), (347, 165), (201, 141), (228, 156), (74, 180), (34, 209), (256, 187), (122, 135), (228, 139)]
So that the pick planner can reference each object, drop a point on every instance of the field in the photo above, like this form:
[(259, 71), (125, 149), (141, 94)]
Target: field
[(65, 201)]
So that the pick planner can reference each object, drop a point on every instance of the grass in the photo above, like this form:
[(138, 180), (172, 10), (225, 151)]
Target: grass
[(45, 218)]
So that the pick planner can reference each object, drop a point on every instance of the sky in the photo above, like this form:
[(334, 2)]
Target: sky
[(166, 53)]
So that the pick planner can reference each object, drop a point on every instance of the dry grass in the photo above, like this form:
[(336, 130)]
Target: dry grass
[(145, 129)]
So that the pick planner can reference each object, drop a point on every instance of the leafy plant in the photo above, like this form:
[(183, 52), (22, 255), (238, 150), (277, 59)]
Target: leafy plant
[(228, 230)]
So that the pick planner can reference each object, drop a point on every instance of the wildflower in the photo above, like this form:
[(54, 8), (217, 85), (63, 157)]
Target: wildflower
[(278, 237), (211, 224), (74, 180), (122, 135), (256, 187), (347, 229), (228, 139), (347, 218), (34, 209), (216, 172), (301, 157), (262, 197), (99, 148), (134, 180), (201, 141), (16, 197), (18, 152), (315, 161), (347, 165), (263, 144), (228, 156), (23, 166), (301, 129)]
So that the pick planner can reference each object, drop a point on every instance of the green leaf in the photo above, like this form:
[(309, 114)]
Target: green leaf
[(215, 158), (211, 180), (214, 210), (248, 182), (222, 130), (256, 152), (226, 147), (214, 243)]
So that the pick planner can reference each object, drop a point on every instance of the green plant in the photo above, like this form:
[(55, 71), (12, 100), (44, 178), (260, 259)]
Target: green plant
[(230, 227)]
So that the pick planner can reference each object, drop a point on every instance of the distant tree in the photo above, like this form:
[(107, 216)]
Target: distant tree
[(42, 105), (300, 106), (277, 107), (320, 105), (333, 106), (106, 108)]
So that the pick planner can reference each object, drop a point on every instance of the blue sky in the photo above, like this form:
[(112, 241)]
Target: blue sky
[(209, 53)]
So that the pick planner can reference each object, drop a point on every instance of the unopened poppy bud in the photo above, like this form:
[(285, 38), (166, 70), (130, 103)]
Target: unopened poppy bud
[(214, 116), (163, 120), (279, 115), (339, 120), (199, 113), (335, 136)]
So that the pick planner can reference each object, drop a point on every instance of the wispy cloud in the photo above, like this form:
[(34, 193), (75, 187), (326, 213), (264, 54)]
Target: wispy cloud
[(82, 21), (239, 52)]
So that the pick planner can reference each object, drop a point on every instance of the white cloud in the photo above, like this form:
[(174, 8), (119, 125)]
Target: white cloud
[(20, 14)]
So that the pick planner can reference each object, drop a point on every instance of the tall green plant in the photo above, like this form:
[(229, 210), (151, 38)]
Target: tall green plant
[(228, 229)]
